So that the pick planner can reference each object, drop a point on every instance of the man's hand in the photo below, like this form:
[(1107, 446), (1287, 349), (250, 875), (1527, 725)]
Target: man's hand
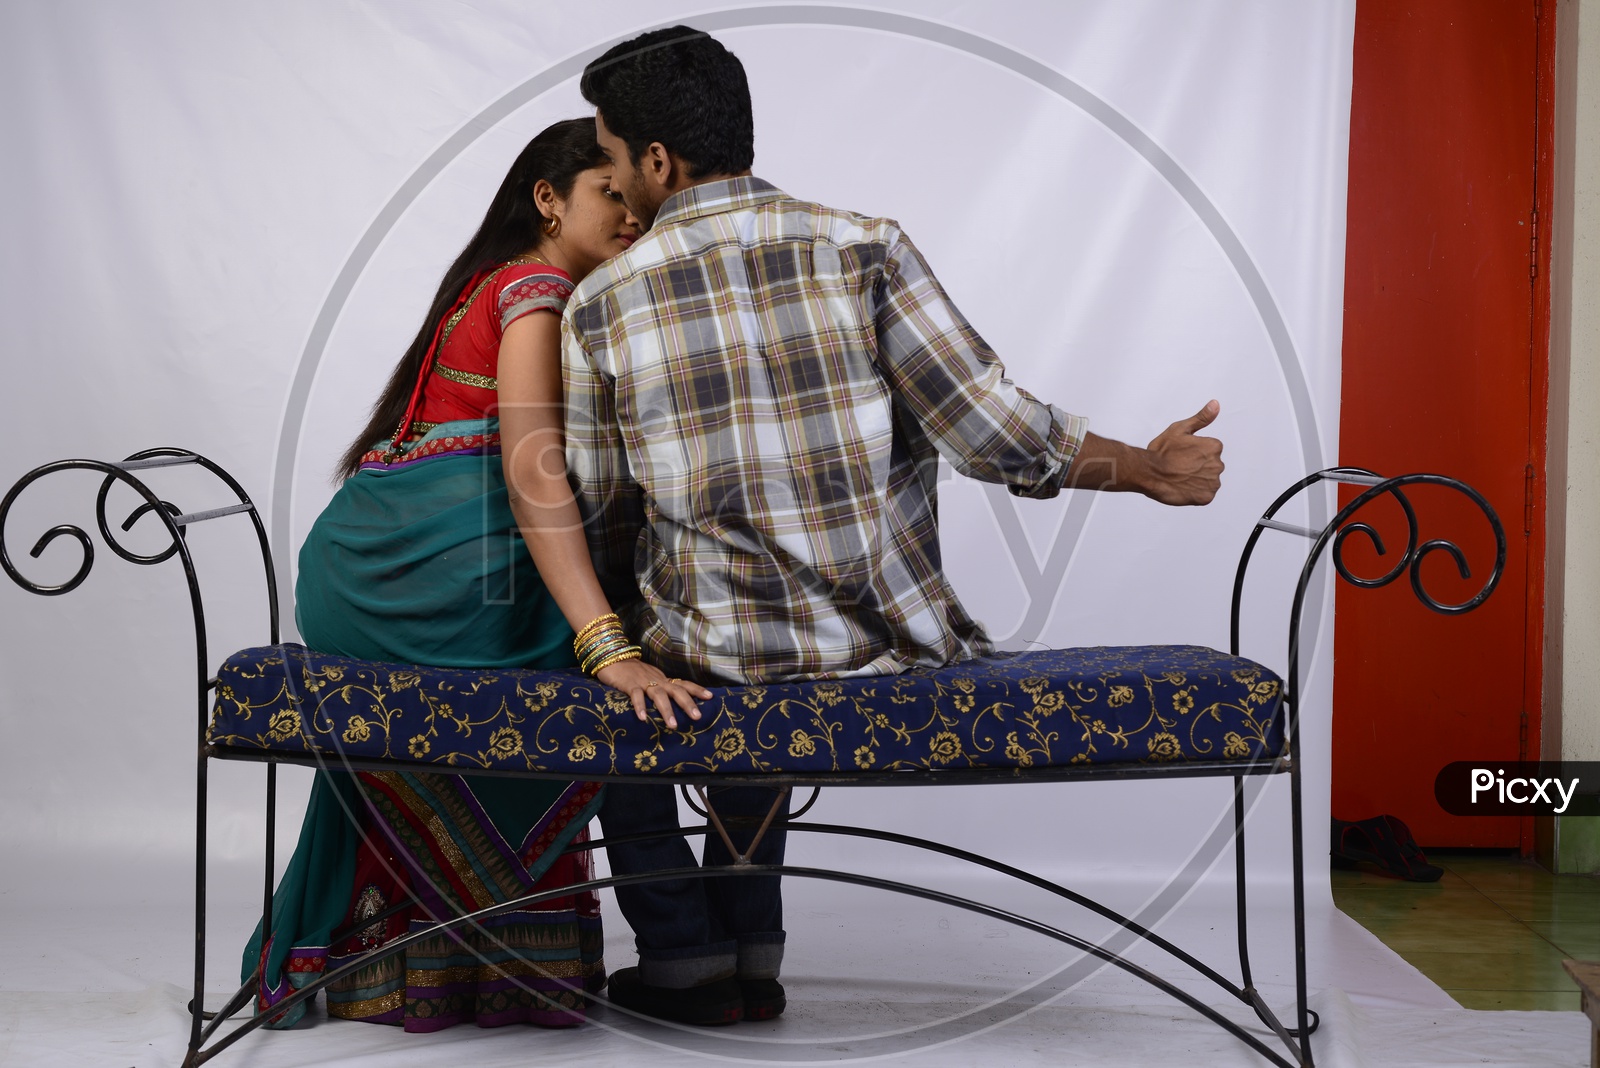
[(1178, 467), (1185, 469)]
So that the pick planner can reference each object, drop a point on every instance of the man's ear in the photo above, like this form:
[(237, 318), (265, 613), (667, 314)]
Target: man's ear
[(660, 167)]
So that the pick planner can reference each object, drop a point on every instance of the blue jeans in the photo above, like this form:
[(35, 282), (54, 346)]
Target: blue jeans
[(692, 931)]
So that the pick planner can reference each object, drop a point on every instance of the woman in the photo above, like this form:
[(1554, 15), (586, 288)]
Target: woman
[(415, 560)]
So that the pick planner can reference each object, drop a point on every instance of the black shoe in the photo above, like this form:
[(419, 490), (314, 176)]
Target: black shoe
[(763, 998), (707, 1005), (1384, 842)]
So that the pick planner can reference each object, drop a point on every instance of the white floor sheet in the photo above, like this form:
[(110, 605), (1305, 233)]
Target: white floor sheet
[(98, 965)]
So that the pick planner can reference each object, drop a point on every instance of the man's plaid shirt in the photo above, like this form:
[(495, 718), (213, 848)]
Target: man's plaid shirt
[(755, 395)]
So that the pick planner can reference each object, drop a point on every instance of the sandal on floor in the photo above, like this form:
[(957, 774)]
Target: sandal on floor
[(1384, 842)]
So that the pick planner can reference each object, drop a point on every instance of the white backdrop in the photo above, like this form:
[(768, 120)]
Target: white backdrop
[(222, 222)]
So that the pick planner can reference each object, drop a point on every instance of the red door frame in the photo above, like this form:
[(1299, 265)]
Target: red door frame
[(1419, 104), (1539, 395)]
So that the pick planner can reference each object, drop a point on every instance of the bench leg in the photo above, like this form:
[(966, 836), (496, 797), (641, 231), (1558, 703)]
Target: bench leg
[(197, 1005), (1239, 885), (1297, 1038), (270, 860), (722, 832), (1296, 813)]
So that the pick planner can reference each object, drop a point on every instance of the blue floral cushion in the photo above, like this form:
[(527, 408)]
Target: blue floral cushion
[(1114, 705)]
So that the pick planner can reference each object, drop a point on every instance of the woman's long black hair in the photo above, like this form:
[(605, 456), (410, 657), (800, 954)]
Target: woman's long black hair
[(510, 227)]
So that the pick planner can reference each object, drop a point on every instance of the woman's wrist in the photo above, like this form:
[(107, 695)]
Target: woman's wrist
[(602, 642)]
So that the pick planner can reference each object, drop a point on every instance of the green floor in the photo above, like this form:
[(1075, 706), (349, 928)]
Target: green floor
[(1492, 932)]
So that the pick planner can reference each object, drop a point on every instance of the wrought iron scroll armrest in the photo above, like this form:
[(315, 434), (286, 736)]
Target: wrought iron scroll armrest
[(1338, 530), (173, 519)]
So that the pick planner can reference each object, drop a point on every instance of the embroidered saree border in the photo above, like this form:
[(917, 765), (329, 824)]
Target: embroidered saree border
[(492, 974), (450, 445), (533, 965)]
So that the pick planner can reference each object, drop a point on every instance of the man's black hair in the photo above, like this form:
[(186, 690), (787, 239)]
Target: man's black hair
[(680, 87)]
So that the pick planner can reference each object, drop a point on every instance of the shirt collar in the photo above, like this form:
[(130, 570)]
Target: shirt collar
[(711, 198)]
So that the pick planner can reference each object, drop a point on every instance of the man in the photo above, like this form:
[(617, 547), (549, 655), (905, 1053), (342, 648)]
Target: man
[(757, 393)]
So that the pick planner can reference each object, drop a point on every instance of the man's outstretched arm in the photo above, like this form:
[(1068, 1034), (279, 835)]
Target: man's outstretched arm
[(1178, 467), (991, 430)]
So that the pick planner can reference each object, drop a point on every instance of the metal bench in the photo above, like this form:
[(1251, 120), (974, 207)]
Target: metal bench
[(1128, 712)]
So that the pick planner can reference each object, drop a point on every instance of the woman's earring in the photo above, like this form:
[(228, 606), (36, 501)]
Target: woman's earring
[(551, 226)]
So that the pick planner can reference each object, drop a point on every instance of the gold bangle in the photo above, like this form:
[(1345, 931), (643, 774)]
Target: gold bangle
[(632, 652), (599, 649), (598, 641), (590, 644), (597, 621), (607, 652), (594, 645)]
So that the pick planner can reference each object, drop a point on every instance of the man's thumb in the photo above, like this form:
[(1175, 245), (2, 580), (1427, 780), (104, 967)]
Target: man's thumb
[(1199, 420)]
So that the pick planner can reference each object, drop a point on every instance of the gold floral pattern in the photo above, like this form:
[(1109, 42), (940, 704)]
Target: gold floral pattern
[(1025, 710), (944, 747), (1046, 703), (729, 743), (505, 743), (285, 723), (1164, 746), (542, 694)]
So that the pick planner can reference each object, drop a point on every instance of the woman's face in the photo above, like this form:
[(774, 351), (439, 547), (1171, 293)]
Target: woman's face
[(594, 223)]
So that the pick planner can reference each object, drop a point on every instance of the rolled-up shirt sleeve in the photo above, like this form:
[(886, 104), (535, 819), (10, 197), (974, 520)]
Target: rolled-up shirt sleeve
[(987, 426)]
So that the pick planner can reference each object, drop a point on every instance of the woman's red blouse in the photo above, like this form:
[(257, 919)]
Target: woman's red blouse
[(463, 383)]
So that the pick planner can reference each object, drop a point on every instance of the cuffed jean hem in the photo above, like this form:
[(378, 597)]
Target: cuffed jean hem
[(760, 956), (689, 966)]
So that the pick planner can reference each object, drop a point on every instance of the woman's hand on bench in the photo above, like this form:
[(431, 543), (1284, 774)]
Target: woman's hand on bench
[(647, 685)]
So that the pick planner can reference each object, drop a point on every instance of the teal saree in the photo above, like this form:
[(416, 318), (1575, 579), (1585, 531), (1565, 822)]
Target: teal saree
[(419, 561)]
